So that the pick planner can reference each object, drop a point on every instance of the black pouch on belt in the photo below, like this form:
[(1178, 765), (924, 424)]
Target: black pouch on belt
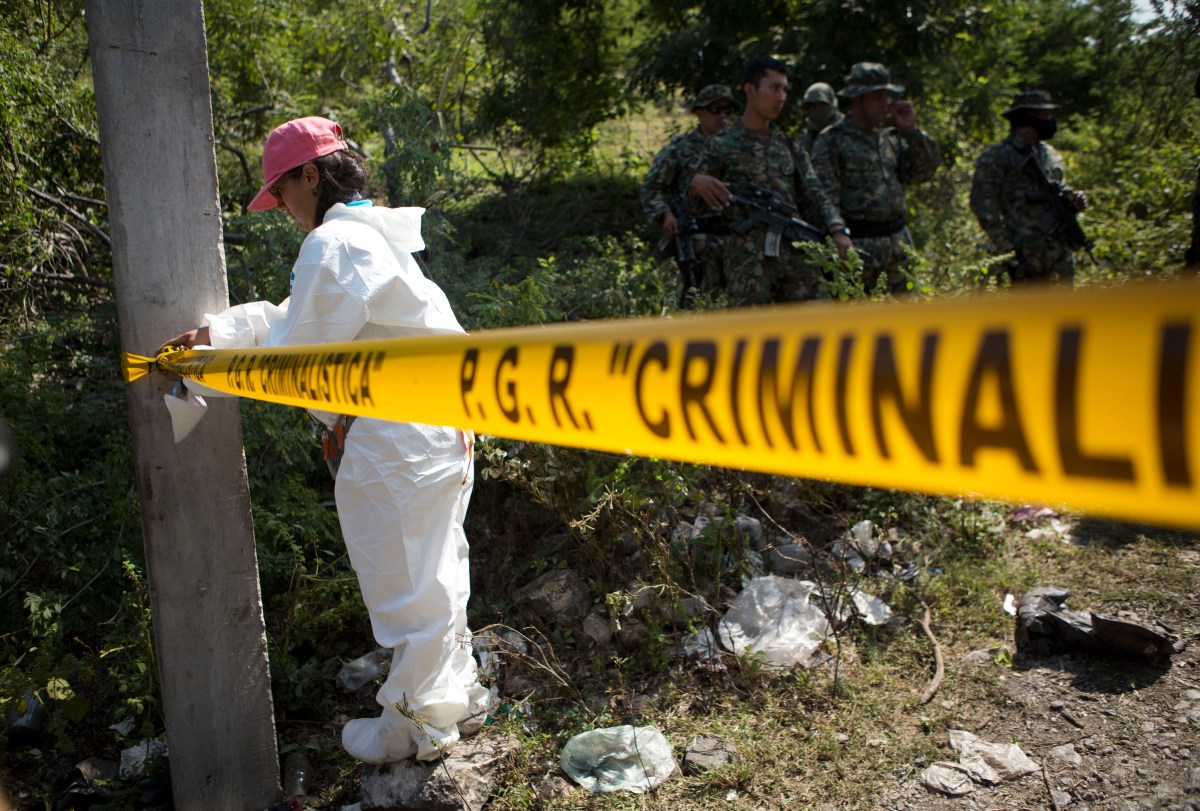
[(333, 442)]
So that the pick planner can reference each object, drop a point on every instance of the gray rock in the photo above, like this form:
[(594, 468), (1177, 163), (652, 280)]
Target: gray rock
[(596, 626), (681, 611), (518, 686), (94, 768), (561, 595), (643, 597), (705, 752), (983, 656), (750, 529), (632, 633), (514, 642), (461, 781), (789, 559), (553, 786), (1066, 754)]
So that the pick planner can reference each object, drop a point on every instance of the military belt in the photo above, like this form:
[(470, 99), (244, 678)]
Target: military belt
[(875, 228)]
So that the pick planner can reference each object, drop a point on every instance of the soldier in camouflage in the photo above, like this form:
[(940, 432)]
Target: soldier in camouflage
[(753, 151), (820, 111), (1008, 200), (865, 168), (667, 181)]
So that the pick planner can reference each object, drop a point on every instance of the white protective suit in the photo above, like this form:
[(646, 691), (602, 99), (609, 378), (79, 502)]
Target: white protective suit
[(402, 488)]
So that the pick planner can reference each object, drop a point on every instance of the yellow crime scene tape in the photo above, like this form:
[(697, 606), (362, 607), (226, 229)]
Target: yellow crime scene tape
[(1088, 399)]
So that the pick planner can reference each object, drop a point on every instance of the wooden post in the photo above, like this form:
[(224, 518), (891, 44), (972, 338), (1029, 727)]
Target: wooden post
[(150, 67)]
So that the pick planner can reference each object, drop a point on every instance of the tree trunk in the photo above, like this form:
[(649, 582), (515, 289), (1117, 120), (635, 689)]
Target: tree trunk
[(150, 67)]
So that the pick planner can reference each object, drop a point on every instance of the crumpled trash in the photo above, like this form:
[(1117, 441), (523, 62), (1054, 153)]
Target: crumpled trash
[(25, 715), (1031, 512), (123, 728), (775, 618), (364, 670), (133, 759), (1057, 531), (1010, 605), (624, 758), (870, 609), (1045, 627), (979, 761), (948, 778), (702, 648), (860, 546)]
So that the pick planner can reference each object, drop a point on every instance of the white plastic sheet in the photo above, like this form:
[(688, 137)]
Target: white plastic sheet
[(776, 619)]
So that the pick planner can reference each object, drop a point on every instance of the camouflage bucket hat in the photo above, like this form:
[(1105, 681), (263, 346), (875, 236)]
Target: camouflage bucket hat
[(819, 93), (1031, 100), (867, 77), (712, 93)]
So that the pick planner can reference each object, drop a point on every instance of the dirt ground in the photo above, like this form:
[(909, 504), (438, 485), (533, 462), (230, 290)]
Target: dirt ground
[(1109, 733)]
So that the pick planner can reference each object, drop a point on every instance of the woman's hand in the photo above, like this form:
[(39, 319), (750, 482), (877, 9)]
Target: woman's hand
[(199, 335)]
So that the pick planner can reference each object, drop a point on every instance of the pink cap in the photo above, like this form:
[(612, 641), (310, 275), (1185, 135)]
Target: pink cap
[(293, 144)]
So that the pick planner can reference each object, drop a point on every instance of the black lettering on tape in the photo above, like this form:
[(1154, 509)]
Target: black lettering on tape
[(1076, 462), (845, 349), (231, 373), (885, 386), (466, 376), (783, 400), (512, 410), (560, 377), (1172, 403), (993, 361), (735, 379), (704, 354), (374, 364), (621, 353), (656, 353)]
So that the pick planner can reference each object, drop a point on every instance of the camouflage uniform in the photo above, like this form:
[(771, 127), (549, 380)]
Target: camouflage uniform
[(739, 156), (819, 93), (670, 173), (1004, 198), (667, 182), (866, 173)]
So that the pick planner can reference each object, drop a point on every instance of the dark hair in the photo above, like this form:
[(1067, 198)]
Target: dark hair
[(343, 177), (758, 66)]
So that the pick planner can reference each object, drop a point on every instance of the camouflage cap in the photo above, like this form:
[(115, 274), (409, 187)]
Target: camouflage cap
[(867, 77), (714, 92), (819, 93), (1031, 100)]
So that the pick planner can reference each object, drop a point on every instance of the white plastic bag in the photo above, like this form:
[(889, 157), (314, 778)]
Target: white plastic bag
[(624, 758)]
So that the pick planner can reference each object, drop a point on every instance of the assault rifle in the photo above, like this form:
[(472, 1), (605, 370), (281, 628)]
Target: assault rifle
[(1061, 221), (768, 209), (686, 227)]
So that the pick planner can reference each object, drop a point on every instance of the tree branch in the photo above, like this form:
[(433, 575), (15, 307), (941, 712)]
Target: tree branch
[(940, 666), (88, 224)]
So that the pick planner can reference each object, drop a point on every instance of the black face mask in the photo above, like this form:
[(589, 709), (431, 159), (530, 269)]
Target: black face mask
[(1044, 127)]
